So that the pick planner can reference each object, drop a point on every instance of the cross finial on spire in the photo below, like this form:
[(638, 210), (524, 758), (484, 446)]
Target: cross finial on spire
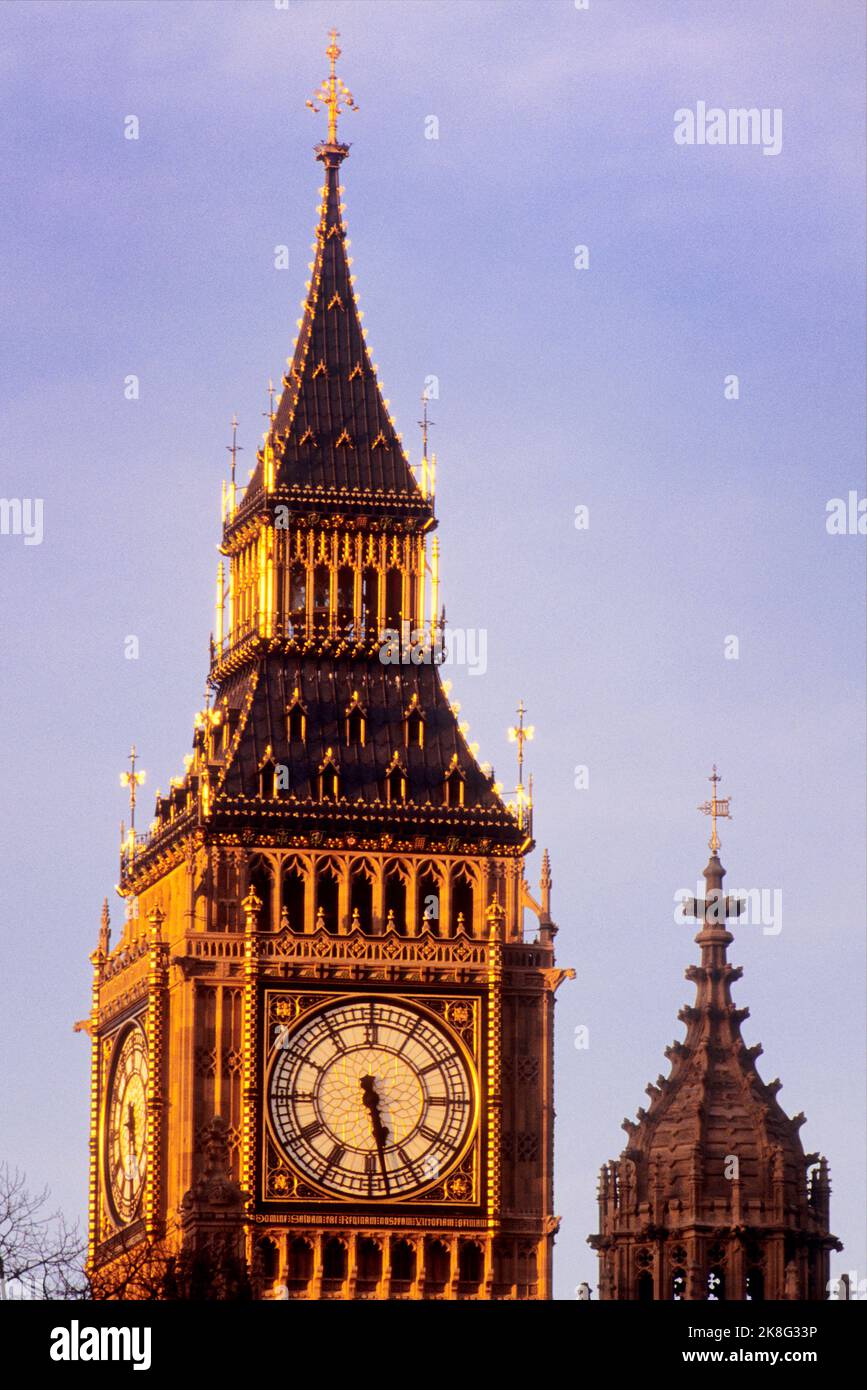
[(333, 92), (717, 808)]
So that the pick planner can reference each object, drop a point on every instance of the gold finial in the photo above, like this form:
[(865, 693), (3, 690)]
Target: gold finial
[(717, 808), (132, 779), (234, 449), (332, 92), (424, 422), (105, 929), (522, 733), (269, 413)]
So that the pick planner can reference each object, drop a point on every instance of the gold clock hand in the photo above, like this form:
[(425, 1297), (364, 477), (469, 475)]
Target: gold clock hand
[(370, 1100)]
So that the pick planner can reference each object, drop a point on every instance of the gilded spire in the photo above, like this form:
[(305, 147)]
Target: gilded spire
[(333, 94), (331, 436), (424, 424), (522, 733), (105, 929), (132, 779)]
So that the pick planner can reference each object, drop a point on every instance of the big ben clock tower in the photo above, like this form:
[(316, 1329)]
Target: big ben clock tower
[(323, 1048)]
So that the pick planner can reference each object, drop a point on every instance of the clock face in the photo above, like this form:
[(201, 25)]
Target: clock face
[(126, 1125), (371, 1098)]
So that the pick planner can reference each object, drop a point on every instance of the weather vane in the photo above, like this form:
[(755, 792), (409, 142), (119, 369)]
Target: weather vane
[(269, 413), (424, 422), (132, 779), (333, 92), (522, 733), (234, 448), (717, 808)]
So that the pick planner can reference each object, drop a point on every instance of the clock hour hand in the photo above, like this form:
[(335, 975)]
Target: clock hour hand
[(370, 1100)]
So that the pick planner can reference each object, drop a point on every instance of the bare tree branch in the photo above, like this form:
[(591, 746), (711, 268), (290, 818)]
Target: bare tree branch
[(41, 1256)]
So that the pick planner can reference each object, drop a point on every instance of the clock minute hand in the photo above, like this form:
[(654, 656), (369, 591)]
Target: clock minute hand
[(130, 1129), (370, 1100), (129, 1126)]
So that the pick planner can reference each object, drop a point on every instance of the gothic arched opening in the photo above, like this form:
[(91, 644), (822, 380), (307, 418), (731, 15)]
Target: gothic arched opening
[(327, 893), (299, 1267), (393, 599), (370, 600), (395, 902), (436, 1267), (355, 726), (292, 903), (268, 1259), (228, 892), (527, 1272), (428, 901), (345, 598), (298, 597), (321, 592), (267, 779), (329, 783), (453, 788), (333, 1264), (361, 900), (368, 1254), (462, 902), (471, 1266), (414, 729), (296, 724), (644, 1286), (402, 1266), (262, 882), (395, 786)]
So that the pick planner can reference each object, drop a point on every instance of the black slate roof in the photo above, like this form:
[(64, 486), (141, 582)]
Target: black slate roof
[(326, 691), (332, 430)]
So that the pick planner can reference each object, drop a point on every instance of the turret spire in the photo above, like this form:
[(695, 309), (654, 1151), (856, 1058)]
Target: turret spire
[(714, 1160), (332, 445)]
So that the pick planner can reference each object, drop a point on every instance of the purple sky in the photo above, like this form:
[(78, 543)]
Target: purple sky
[(558, 387)]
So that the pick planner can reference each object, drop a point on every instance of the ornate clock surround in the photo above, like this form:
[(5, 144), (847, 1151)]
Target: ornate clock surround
[(281, 1191), (130, 1036)]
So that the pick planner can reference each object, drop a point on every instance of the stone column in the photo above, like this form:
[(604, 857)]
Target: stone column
[(377, 925), (316, 1279), (351, 1264), (736, 1273), (343, 899), (413, 924), (384, 1291)]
